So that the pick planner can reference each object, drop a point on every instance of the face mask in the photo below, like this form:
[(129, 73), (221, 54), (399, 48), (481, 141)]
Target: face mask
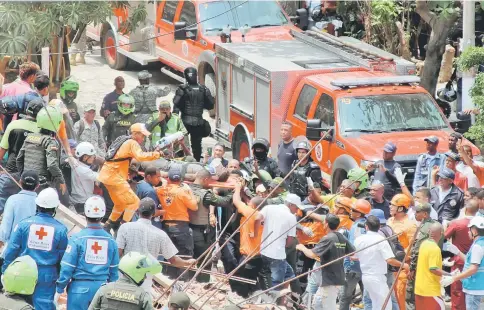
[(260, 155)]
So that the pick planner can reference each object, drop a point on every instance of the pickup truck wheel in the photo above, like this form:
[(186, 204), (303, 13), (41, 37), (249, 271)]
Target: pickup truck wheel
[(114, 59), (240, 146), (210, 84)]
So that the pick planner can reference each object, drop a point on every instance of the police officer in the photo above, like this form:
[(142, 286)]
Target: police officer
[(179, 301), (44, 239), (19, 282), (360, 177), (449, 205), (260, 149), (68, 93), (41, 151), (118, 123), (145, 96), (190, 99), (298, 183), (127, 293), (91, 259), (426, 162)]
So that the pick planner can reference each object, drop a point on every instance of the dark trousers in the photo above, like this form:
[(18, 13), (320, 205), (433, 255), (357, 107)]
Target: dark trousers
[(182, 237), (230, 258), (291, 258), (203, 237), (196, 135), (252, 271)]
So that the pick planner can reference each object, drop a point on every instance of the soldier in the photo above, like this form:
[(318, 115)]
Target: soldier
[(179, 301), (41, 151), (118, 122), (68, 93), (260, 149), (19, 282), (298, 183), (127, 293), (145, 97), (190, 99)]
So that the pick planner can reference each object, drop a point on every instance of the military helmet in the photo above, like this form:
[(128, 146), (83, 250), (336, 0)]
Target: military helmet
[(266, 176), (180, 300), (303, 145), (144, 75), (135, 266), (191, 75), (125, 99), (359, 175), (34, 106), (68, 86), (261, 142), (21, 276), (49, 118)]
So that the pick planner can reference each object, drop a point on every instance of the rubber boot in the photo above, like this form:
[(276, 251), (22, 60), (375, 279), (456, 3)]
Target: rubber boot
[(72, 59), (80, 59)]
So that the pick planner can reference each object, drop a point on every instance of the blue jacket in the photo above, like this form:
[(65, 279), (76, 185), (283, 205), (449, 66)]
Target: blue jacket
[(354, 233), (18, 207), (423, 171), (40, 236), (145, 189), (476, 281), (92, 254)]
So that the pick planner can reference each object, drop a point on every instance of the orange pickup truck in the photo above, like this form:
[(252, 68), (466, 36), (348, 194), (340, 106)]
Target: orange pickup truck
[(366, 96)]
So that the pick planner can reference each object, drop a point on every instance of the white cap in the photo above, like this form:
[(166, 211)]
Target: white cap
[(94, 207), (85, 148), (260, 188), (48, 199), (477, 221), (293, 199)]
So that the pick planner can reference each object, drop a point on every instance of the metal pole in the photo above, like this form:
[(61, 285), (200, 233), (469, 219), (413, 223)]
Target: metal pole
[(468, 40), (45, 58)]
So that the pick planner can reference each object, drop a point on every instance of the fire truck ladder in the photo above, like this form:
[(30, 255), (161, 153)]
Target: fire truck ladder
[(344, 50)]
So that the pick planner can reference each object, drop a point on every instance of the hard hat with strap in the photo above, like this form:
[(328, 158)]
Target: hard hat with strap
[(401, 200), (48, 199), (85, 148), (21, 276), (136, 265), (94, 207), (49, 118), (362, 206), (180, 300)]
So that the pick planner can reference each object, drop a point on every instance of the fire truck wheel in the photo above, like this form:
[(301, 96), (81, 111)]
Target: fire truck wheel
[(210, 84), (240, 145), (114, 59)]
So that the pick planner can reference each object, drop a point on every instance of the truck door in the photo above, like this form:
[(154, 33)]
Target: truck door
[(300, 111), (189, 49)]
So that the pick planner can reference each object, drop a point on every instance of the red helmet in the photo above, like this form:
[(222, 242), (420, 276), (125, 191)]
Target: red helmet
[(362, 206)]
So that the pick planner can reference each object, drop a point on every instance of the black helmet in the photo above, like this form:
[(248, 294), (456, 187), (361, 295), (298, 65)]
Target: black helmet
[(34, 106), (8, 106), (190, 74), (261, 142), (447, 94), (303, 145)]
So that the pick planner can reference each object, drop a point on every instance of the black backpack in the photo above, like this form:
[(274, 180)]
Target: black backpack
[(397, 248), (114, 147)]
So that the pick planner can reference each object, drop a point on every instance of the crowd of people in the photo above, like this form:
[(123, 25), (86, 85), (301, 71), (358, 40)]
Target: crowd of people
[(149, 195)]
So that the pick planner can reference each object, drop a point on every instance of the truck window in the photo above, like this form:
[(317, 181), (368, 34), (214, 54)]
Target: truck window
[(169, 11), (187, 14), (304, 101), (325, 110)]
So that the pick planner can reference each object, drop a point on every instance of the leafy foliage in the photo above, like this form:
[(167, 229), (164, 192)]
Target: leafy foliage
[(137, 16)]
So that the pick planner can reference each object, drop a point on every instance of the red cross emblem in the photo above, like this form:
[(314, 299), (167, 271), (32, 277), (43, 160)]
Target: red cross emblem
[(96, 247), (41, 233), (96, 209)]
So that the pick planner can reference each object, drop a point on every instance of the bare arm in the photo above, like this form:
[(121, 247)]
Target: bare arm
[(306, 251), (473, 268), (439, 272), (120, 252)]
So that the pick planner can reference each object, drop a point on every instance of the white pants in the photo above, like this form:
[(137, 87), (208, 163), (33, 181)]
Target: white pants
[(325, 298), (377, 288)]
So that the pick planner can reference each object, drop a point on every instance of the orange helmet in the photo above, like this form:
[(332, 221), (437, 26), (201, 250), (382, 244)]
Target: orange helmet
[(345, 203), (362, 206), (401, 200)]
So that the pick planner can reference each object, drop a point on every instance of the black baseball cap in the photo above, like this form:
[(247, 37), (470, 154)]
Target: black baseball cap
[(30, 178), (147, 206)]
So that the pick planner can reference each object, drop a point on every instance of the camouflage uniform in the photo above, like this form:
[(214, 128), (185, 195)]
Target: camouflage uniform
[(117, 125)]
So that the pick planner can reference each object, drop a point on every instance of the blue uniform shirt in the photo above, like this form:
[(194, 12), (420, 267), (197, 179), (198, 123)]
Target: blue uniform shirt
[(423, 170), (41, 237), (354, 233), (18, 207), (92, 254)]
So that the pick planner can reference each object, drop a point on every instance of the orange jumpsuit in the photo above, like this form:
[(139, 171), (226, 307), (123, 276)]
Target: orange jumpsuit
[(114, 175)]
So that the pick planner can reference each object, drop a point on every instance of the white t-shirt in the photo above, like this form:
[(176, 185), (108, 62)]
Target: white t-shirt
[(477, 253), (374, 259), (279, 220), (472, 180), (82, 182)]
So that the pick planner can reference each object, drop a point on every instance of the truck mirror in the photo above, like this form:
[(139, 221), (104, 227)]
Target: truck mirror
[(315, 128), (303, 18), (181, 31)]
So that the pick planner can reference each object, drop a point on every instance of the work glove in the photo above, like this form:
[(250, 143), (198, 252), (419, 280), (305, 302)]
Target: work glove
[(400, 176), (310, 184), (446, 281), (308, 232), (56, 300), (451, 248), (447, 262)]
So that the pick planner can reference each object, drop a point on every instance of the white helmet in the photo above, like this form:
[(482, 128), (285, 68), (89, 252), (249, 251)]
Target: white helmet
[(94, 207), (48, 199), (477, 221), (85, 148)]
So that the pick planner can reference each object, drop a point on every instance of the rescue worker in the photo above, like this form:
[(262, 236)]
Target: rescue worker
[(179, 301), (91, 259), (298, 183), (41, 151), (44, 239), (346, 189), (165, 123), (118, 122), (14, 137), (360, 177), (19, 282), (68, 93), (127, 293), (114, 173), (426, 162), (343, 207), (260, 149), (145, 96), (190, 100)]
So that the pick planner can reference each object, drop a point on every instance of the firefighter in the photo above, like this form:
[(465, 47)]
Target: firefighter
[(145, 96), (343, 207), (118, 123), (127, 293), (260, 149), (41, 151), (179, 301), (114, 173), (68, 93), (44, 239), (19, 282), (298, 183), (165, 123), (91, 259), (191, 99)]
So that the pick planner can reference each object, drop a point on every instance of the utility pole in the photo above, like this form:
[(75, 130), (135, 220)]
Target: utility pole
[(469, 35)]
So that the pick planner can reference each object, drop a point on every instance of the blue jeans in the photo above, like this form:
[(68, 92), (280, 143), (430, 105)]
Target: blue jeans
[(474, 302), (280, 270), (367, 301)]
